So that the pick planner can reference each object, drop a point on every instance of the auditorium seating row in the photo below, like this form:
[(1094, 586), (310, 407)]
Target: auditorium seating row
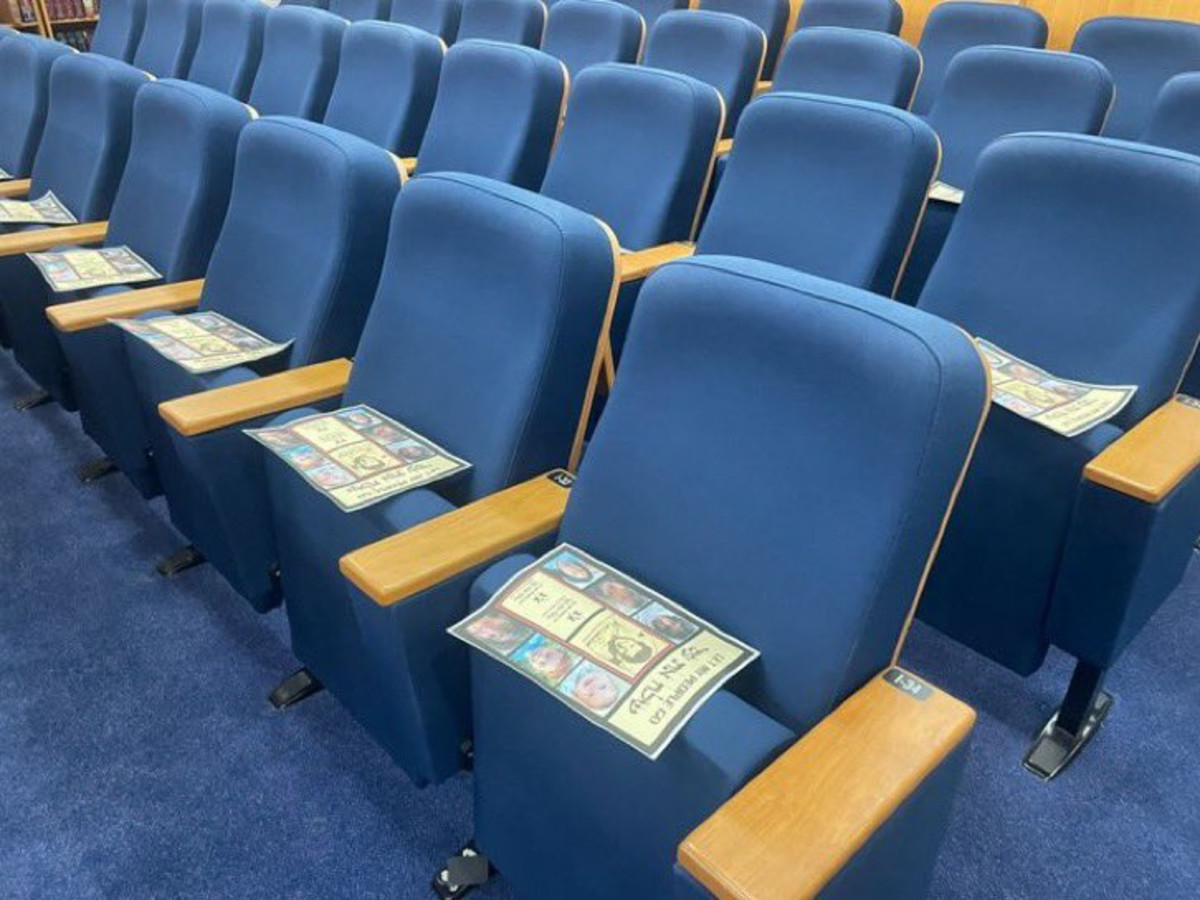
[(490, 305)]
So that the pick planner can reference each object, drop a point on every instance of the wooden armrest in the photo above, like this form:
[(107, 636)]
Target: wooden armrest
[(792, 829), (639, 264), (761, 87), (724, 145), (48, 238), (219, 408), (397, 568), (84, 314), (16, 188), (1150, 459), (410, 164)]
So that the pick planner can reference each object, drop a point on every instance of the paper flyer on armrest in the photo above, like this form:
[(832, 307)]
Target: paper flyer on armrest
[(201, 342), (47, 210), (621, 655), (1066, 407), (945, 193), (358, 456), (77, 270), (4, 176)]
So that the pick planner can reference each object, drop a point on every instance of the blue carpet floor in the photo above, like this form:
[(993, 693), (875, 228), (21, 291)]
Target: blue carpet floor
[(139, 757)]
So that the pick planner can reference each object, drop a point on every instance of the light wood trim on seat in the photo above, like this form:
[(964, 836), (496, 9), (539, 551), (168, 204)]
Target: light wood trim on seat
[(1154, 456), (84, 314), (640, 264), (48, 238), (724, 146), (219, 408), (397, 568), (410, 165), (762, 87), (794, 827), (16, 188)]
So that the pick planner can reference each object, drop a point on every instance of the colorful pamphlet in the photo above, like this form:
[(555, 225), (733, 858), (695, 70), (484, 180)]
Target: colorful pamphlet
[(47, 210), (1188, 400), (77, 270), (946, 193), (4, 176), (202, 342), (357, 456), (621, 655), (1066, 407)]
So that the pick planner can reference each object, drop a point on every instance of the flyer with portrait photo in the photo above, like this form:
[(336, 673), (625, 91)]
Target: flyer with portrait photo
[(77, 270), (201, 342), (1066, 407), (357, 456), (47, 210), (618, 653), (946, 193)]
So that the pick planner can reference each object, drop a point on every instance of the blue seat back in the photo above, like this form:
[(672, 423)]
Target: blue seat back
[(86, 140), (299, 255), (169, 37), (1175, 121), (230, 46), (851, 63), (650, 10), (175, 189), (496, 112), (1141, 54), (717, 48), (510, 21), (25, 65), (954, 26), (828, 186), (871, 15), (491, 359), (1088, 282), (769, 15), (583, 33), (361, 10), (407, 60), (438, 17), (301, 50), (119, 29), (993, 91), (727, 356), (636, 151), (315, 4)]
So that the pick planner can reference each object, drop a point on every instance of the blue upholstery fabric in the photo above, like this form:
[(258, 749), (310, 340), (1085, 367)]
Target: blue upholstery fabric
[(438, 17), (331, 235), (230, 46), (850, 63), (717, 48), (727, 356), (315, 4), (496, 113), (408, 61), (957, 25), (871, 15), (510, 21), (491, 361), (636, 151), (990, 92), (769, 15), (361, 10), (583, 33), (651, 10), (169, 37), (1175, 120), (1052, 284), (24, 98), (119, 29), (831, 187), (1141, 54), (301, 49)]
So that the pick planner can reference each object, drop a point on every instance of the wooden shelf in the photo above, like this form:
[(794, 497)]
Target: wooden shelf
[(74, 23)]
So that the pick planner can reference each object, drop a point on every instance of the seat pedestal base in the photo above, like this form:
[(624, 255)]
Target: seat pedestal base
[(31, 401), (180, 561), (96, 469), (462, 874), (1079, 718), (300, 685)]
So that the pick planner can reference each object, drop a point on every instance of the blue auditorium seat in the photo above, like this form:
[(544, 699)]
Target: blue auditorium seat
[(1175, 120), (732, 358), (119, 29), (438, 17), (496, 113), (315, 4), (1094, 281), (291, 264), (1141, 54), (769, 15), (651, 10), (584, 32), (169, 37), (301, 50), (361, 10), (723, 50), (230, 46), (510, 21), (872, 15), (851, 63), (407, 60), (992, 91), (25, 65), (954, 26)]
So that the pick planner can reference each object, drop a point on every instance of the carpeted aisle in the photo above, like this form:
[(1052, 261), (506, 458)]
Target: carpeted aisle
[(139, 757)]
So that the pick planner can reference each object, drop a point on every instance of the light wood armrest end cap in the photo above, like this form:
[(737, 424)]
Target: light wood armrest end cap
[(10, 190), (639, 264), (20, 242), (81, 315), (1152, 458)]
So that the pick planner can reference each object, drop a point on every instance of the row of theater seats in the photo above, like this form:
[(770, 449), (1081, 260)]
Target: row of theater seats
[(772, 343)]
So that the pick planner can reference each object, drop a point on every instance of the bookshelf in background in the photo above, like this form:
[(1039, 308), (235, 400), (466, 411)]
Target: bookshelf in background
[(23, 15), (70, 21)]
